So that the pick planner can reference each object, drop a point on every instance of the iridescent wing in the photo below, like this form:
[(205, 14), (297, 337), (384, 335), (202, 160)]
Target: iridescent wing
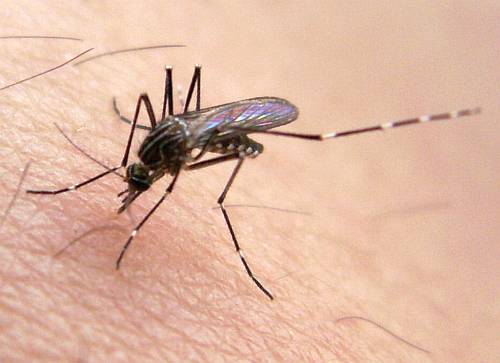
[(260, 113)]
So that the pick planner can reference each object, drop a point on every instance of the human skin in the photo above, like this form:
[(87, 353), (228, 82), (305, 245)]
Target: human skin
[(402, 229)]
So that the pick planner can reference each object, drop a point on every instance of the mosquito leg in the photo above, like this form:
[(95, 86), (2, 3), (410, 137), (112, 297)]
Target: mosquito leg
[(76, 186), (145, 98), (146, 217), (381, 127), (83, 151), (126, 120), (198, 89), (168, 94), (195, 81), (220, 201)]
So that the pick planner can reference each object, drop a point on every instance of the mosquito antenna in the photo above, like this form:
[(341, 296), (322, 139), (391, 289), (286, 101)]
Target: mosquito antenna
[(128, 200), (84, 152), (45, 72), (16, 194), (394, 335), (39, 37), (122, 192), (127, 50)]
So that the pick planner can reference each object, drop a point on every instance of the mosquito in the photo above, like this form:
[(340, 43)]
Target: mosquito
[(177, 142)]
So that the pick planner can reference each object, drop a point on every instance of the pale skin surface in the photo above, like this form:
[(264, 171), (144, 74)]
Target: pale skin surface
[(403, 228)]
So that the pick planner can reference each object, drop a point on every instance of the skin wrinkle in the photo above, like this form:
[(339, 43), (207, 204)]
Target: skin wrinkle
[(159, 318), (145, 334), (37, 325), (113, 331), (22, 226)]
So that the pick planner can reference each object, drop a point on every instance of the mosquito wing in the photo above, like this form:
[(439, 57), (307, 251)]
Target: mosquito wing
[(260, 113)]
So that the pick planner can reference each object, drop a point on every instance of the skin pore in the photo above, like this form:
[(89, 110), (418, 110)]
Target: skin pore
[(392, 215)]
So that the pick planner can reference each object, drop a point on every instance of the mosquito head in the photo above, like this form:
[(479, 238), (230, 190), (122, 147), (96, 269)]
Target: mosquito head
[(138, 177)]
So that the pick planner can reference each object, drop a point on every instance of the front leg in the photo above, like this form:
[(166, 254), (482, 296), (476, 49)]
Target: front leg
[(146, 217), (145, 98)]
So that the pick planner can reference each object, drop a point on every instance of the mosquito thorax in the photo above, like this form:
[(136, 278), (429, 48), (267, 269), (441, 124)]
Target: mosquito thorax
[(138, 177), (166, 145)]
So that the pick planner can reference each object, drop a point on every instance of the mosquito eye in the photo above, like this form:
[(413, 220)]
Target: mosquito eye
[(140, 184), (138, 177)]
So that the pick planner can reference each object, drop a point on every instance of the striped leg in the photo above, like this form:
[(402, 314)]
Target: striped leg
[(145, 218), (381, 127), (195, 81), (84, 152), (168, 103), (220, 201), (143, 97), (168, 94), (73, 187)]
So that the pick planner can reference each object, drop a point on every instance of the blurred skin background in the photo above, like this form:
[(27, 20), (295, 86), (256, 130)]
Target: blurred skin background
[(403, 227)]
